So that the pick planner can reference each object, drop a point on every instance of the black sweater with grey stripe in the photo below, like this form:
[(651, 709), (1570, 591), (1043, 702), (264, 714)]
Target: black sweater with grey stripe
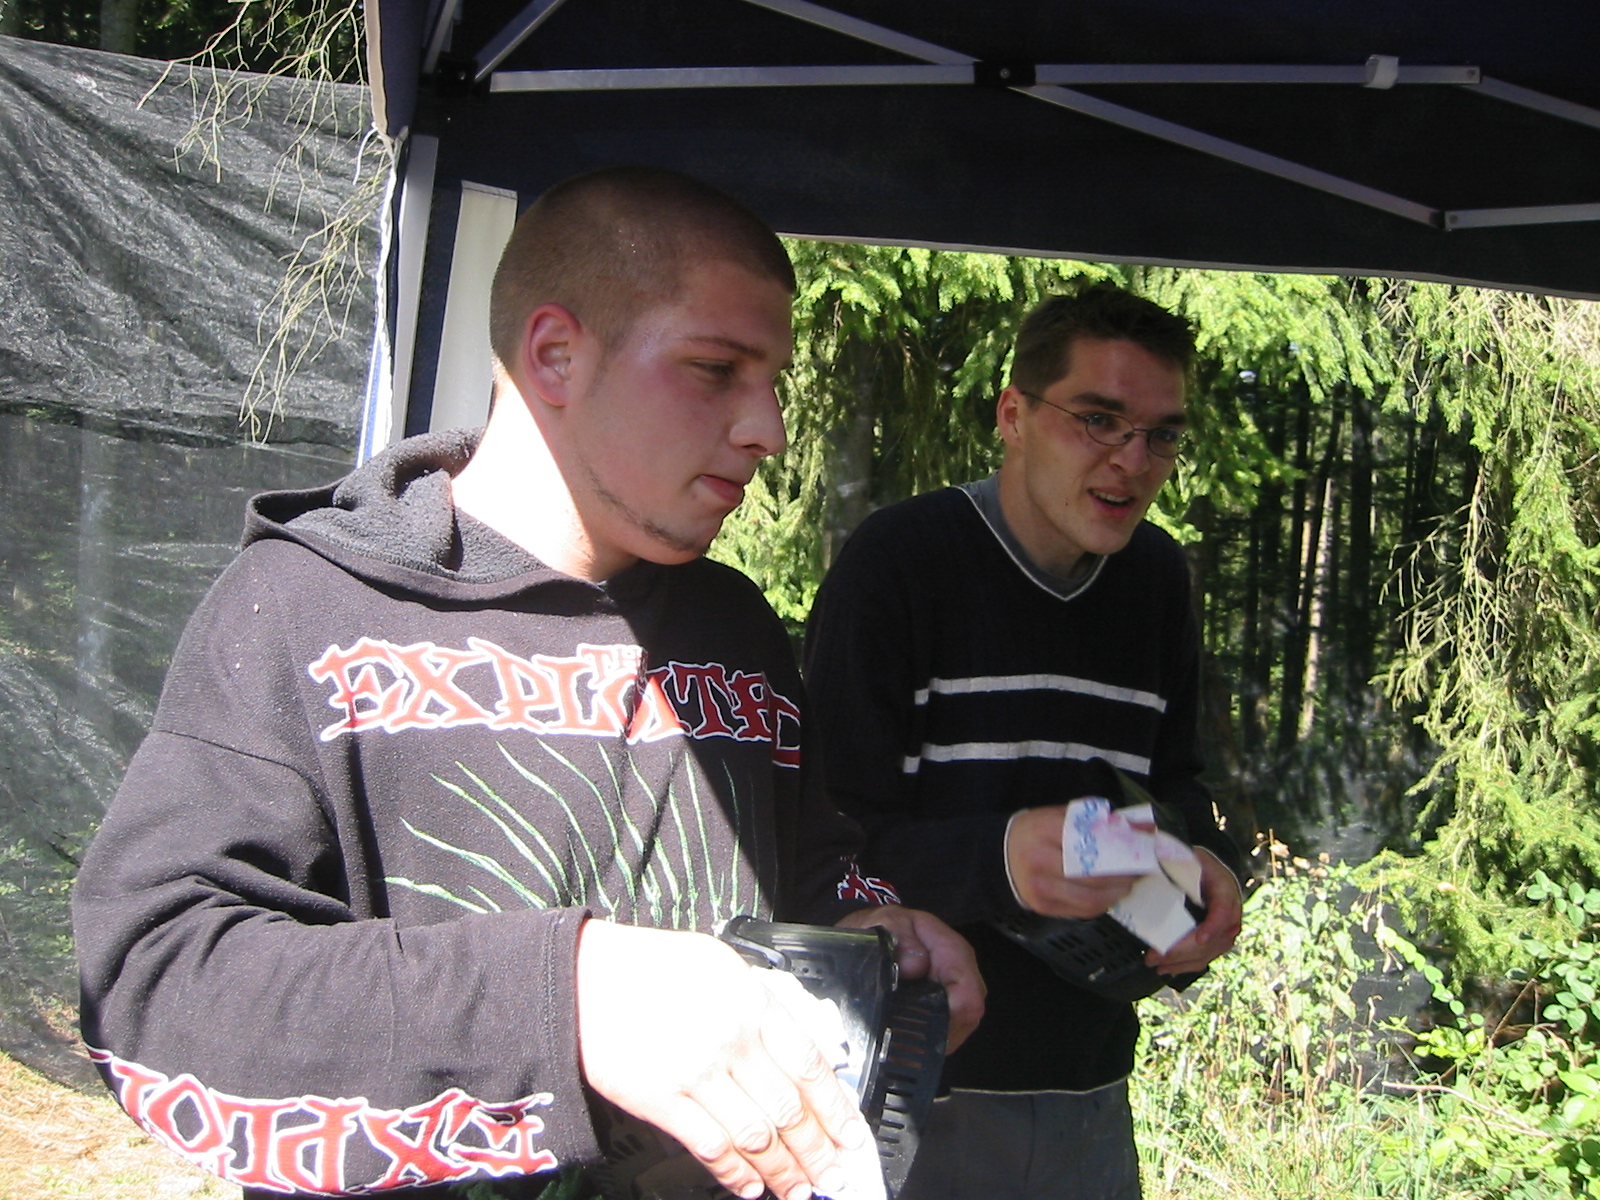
[(955, 685)]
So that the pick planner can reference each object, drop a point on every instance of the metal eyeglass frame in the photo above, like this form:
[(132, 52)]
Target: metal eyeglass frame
[(1119, 427)]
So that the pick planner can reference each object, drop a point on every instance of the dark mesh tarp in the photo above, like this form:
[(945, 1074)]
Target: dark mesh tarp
[(131, 282), (133, 276)]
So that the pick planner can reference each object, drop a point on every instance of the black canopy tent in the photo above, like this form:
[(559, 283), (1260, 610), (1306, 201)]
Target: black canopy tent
[(1449, 142)]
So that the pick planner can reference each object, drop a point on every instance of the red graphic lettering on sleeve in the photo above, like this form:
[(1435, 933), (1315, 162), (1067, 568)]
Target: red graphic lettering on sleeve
[(302, 1143), (310, 1156), (166, 1104), (132, 1083), (510, 1131), (854, 885), (417, 1159), (260, 1120)]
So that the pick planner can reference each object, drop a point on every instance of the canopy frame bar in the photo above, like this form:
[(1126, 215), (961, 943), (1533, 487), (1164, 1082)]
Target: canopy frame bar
[(1544, 214), (443, 24), (866, 31), (1382, 71), (1552, 106), (1119, 115), (1245, 156), (943, 66), (912, 75), (517, 31)]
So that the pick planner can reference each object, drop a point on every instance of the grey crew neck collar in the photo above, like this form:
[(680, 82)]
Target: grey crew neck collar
[(985, 497)]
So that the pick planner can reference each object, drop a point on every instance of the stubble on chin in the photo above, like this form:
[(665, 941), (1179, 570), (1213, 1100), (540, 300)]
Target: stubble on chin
[(681, 543)]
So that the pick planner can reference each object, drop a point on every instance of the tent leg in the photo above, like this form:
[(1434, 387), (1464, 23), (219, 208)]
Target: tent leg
[(383, 424)]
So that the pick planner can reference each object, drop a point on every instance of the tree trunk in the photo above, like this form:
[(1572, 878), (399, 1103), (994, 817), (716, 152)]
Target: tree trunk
[(1297, 644), (1266, 534), (1202, 556), (849, 471), (1249, 690), (1421, 502), (1294, 645), (119, 25), (1323, 590), (1224, 764), (1358, 598)]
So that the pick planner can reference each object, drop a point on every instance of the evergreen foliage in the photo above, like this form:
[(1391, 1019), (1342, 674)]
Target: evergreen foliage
[(1501, 644), (1391, 512), (320, 39)]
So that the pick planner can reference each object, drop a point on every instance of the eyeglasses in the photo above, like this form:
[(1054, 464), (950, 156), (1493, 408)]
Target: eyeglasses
[(1164, 441)]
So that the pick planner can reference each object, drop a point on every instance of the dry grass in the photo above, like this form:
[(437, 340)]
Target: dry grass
[(59, 1144)]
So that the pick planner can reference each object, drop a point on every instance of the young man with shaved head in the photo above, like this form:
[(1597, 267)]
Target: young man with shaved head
[(463, 759), (969, 655)]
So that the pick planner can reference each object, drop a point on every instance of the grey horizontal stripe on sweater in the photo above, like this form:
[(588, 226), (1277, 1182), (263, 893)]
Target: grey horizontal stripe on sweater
[(1008, 751), (1028, 683)]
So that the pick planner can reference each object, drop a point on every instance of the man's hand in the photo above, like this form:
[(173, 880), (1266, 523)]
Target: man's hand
[(926, 948), (1215, 935), (1033, 856), (678, 1030)]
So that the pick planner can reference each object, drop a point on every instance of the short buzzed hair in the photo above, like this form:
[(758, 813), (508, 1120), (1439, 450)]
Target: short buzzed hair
[(613, 243), (1103, 310)]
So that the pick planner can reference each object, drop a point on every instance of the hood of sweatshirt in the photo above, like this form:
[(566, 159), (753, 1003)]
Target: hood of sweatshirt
[(393, 522)]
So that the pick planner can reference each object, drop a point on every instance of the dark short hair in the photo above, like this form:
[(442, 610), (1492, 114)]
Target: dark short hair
[(613, 243), (1103, 310)]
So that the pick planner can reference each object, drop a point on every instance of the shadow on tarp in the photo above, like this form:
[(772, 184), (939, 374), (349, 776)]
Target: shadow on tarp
[(135, 278), (106, 546)]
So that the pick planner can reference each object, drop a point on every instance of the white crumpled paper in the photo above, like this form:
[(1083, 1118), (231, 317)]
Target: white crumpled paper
[(1097, 839)]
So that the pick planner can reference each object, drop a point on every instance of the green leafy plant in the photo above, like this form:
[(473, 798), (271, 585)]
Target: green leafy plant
[(1520, 1104), (1274, 1077), (1262, 1079)]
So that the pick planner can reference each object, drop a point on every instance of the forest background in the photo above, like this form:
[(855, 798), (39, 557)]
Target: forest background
[(1392, 513)]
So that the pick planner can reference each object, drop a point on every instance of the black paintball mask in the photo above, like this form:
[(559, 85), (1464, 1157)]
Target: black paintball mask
[(894, 1043), (1098, 954)]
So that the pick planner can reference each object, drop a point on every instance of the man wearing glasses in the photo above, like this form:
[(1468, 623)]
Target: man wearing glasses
[(968, 655)]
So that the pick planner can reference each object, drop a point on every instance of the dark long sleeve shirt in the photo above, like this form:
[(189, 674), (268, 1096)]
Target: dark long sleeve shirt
[(952, 686)]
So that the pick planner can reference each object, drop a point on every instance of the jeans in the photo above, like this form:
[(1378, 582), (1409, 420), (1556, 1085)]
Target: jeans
[(1028, 1146)]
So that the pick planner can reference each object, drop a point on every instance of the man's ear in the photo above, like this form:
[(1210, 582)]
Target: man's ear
[(553, 340), (1008, 415)]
